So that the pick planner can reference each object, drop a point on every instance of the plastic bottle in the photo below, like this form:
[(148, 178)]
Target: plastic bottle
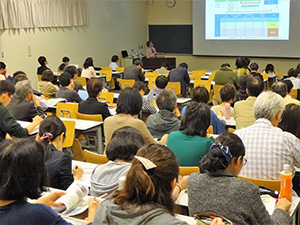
[(286, 177), (227, 111)]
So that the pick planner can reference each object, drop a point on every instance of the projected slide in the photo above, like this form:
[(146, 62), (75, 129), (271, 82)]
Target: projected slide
[(247, 19)]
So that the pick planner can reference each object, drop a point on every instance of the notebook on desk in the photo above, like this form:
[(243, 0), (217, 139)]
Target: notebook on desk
[(83, 94)]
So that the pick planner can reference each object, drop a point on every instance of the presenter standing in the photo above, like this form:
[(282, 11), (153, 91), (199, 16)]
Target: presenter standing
[(150, 50)]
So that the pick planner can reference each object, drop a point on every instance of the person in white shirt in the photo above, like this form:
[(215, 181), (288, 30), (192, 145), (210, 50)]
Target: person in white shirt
[(292, 74), (2, 71), (113, 65), (88, 69)]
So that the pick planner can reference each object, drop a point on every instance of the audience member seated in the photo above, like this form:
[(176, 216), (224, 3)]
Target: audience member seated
[(22, 176), (66, 88), (241, 93), (180, 74), (236, 199), (92, 105), (147, 106), (43, 62), (45, 86), (200, 94), (243, 110), (266, 143), (227, 94), (113, 64), (192, 142), (160, 84), (88, 69), (293, 77), (52, 134), (254, 71), (283, 88), (2, 71), (241, 66), (269, 70), (8, 123), (74, 73), (129, 105), (24, 105), (150, 50), (167, 118), (134, 72), (226, 76), (65, 62), (163, 69), (120, 151)]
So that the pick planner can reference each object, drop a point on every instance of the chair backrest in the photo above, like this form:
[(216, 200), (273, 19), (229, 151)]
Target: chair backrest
[(126, 83), (151, 83), (77, 150), (294, 93), (265, 76), (271, 184), (279, 74), (67, 110), (188, 170), (231, 130), (39, 77), (95, 158), (120, 69), (93, 117), (203, 83), (195, 77), (217, 89), (107, 73), (81, 80), (151, 74), (210, 129), (105, 68), (167, 74), (70, 133), (175, 87), (107, 96), (199, 72)]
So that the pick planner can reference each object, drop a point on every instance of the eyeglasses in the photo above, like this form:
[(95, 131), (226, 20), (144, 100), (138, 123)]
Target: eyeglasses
[(244, 160)]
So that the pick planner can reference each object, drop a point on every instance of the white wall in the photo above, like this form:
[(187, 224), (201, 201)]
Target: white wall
[(114, 25)]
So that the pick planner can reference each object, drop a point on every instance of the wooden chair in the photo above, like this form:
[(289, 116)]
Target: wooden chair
[(151, 74), (126, 83), (107, 96), (188, 170), (81, 80), (92, 157), (167, 74), (203, 83), (195, 77), (120, 69), (93, 117), (107, 73), (70, 133), (217, 97), (210, 130), (151, 83), (175, 87), (280, 75), (105, 68), (294, 93), (77, 150), (67, 110), (271, 184), (199, 72), (203, 70), (39, 77)]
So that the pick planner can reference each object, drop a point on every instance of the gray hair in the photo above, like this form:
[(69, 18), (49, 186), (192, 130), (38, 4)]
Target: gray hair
[(268, 104), (166, 100), (23, 88)]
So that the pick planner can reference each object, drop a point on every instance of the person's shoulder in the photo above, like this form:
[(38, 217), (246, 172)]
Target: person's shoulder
[(42, 212)]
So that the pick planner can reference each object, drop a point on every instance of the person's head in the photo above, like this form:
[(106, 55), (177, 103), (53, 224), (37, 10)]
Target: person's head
[(22, 169), (20, 77), (243, 81), (42, 60), (227, 93), (166, 100), (18, 73), (254, 66), (280, 88), (290, 119), (145, 185), (196, 119), (138, 63), (88, 62), (66, 60), (254, 86), (7, 90), (165, 65), (94, 87), (24, 90), (269, 68), (124, 144), (149, 44), (246, 62), (225, 65), (200, 94), (184, 65), (65, 79), (140, 86), (129, 101), (52, 131), (269, 105), (239, 62), (2, 68), (115, 58), (289, 85), (161, 81), (47, 75), (71, 70), (292, 73), (227, 152)]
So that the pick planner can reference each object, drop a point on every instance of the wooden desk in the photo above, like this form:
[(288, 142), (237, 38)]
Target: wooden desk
[(154, 63)]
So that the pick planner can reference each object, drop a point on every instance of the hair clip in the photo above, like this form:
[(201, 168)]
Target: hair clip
[(47, 136), (224, 150), (148, 164)]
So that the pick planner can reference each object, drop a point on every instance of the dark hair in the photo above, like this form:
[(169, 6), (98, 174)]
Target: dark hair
[(161, 81), (292, 73), (280, 88), (148, 43), (2, 65), (239, 62), (166, 100), (164, 64), (138, 63), (94, 86), (65, 79), (269, 68), (214, 160), (200, 94), (114, 58), (20, 77), (289, 85), (290, 119), (42, 60), (139, 85), (22, 169), (184, 65), (65, 59), (6, 87), (144, 186), (18, 73), (225, 64), (129, 101), (227, 92), (254, 66), (196, 119), (242, 80), (88, 62), (47, 75), (255, 86), (124, 144), (246, 62), (71, 70)]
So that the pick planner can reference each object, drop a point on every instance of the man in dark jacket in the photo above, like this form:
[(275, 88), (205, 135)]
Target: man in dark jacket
[(134, 72), (180, 74)]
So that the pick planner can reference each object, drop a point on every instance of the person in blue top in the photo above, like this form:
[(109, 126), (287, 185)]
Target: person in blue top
[(200, 94)]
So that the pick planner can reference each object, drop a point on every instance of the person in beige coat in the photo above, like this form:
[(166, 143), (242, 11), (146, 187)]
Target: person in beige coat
[(45, 86)]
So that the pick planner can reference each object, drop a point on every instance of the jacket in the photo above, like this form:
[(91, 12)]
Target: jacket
[(46, 87), (181, 75), (226, 76), (70, 95), (133, 73), (244, 112), (93, 106)]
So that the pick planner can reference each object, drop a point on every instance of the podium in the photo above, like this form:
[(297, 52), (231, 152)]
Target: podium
[(154, 63)]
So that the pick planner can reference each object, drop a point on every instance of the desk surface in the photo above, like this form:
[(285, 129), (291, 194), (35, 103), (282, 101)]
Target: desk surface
[(25, 124), (83, 124)]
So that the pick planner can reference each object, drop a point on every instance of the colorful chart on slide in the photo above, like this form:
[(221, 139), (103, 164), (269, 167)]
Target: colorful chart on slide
[(247, 19)]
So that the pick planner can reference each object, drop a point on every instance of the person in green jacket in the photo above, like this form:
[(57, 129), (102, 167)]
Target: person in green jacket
[(226, 76)]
